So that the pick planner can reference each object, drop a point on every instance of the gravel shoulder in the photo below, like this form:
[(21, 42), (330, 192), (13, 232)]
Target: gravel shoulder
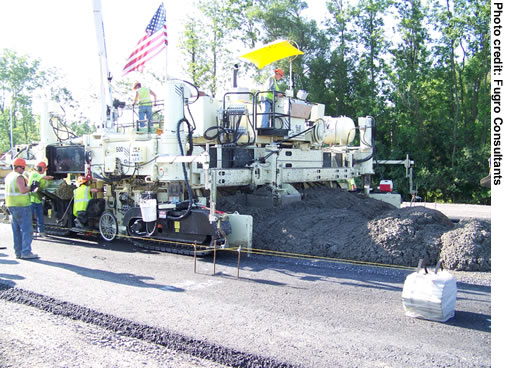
[(32, 338)]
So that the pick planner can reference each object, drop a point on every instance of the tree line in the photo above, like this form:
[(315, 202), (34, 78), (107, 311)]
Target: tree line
[(21, 79), (420, 68)]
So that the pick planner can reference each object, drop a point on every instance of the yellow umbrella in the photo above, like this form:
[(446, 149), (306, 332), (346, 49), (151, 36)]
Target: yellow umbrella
[(270, 53)]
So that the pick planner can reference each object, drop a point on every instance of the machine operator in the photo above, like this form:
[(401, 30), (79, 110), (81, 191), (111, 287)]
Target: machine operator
[(271, 85), (82, 196)]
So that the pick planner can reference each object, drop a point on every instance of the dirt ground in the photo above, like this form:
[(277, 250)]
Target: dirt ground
[(339, 224)]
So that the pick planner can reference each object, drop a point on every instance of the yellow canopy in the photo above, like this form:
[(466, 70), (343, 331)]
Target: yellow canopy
[(270, 53)]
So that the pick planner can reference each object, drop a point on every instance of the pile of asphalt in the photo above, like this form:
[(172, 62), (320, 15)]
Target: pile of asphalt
[(197, 348), (338, 224)]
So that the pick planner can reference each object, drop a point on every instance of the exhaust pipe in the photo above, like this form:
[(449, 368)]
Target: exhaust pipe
[(234, 79)]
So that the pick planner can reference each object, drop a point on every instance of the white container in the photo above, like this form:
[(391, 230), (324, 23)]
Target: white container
[(148, 209), (431, 296)]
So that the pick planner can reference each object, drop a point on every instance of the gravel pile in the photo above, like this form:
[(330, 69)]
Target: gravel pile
[(32, 338), (467, 246), (339, 224)]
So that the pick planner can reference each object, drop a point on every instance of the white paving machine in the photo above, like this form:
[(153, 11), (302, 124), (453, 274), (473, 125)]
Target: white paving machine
[(161, 182)]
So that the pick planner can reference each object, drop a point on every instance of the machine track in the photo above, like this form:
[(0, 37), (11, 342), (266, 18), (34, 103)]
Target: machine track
[(173, 248), (143, 243), (54, 230)]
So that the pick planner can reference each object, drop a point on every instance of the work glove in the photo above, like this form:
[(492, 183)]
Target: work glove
[(34, 186)]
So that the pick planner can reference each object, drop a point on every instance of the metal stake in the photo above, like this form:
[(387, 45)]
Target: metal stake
[(194, 258), (214, 260), (238, 260)]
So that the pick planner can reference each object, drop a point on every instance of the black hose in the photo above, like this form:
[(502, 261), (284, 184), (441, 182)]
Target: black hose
[(295, 135), (372, 144), (185, 172)]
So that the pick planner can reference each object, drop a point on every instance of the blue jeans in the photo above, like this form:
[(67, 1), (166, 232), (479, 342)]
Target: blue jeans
[(39, 215), (145, 112), (22, 231), (267, 114)]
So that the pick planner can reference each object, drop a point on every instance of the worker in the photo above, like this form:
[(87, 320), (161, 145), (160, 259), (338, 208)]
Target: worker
[(142, 95), (271, 85), (82, 196), (17, 200), (39, 181), (351, 184)]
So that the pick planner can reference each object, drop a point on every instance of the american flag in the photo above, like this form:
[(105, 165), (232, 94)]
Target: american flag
[(153, 42)]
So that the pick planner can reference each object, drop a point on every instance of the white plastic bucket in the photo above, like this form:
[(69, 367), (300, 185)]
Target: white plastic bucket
[(148, 209)]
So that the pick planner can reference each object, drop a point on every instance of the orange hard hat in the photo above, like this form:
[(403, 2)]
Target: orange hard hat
[(279, 71), (19, 162), (42, 165)]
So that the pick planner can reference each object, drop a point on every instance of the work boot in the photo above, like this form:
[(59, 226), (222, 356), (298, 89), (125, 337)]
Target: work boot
[(30, 255)]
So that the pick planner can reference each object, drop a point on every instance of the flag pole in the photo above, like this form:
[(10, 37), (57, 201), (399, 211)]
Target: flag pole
[(167, 46)]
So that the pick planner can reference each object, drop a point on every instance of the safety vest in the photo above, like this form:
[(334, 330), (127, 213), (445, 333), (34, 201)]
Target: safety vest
[(144, 98), (270, 95), (82, 195), (36, 177), (351, 184), (14, 197)]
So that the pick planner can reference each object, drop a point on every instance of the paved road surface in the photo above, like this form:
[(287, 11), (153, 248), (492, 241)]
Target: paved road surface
[(309, 314), (457, 211)]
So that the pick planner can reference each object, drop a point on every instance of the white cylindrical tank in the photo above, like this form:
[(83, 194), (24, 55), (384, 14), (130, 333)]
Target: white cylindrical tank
[(47, 135), (174, 106), (174, 112), (340, 130), (319, 132)]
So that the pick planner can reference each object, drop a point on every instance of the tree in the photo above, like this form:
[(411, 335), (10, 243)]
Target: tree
[(370, 74), (193, 44), (463, 64), (342, 57), (206, 43), (19, 77)]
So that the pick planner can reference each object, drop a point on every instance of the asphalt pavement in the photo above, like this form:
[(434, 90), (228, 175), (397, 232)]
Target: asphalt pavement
[(299, 312), (456, 211)]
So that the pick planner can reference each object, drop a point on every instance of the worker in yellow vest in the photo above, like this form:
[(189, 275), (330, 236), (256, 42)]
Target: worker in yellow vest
[(142, 95), (17, 200), (40, 180), (82, 196), (271, 85)]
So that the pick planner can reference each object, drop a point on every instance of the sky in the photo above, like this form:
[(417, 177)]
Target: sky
[(61, 33)]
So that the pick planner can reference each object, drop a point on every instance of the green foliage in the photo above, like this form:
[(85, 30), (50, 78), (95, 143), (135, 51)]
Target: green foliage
[(20, 79), (428, 87), (206, 43)]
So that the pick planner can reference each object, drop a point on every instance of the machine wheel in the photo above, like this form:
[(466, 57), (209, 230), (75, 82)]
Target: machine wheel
[(108, 226)]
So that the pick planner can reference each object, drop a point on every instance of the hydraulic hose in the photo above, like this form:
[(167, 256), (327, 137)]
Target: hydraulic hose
[(185, 172), (372, 144)]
